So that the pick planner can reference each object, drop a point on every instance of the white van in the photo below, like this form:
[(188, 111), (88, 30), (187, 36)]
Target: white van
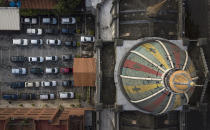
[(20, 42)]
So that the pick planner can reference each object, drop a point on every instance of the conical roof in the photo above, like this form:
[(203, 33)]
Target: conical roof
[(157, 76)]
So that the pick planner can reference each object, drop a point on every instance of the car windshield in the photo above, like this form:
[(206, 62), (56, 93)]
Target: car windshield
[(38, 58)]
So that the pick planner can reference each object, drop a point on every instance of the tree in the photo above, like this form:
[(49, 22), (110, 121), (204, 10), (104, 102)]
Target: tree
[(153, 10), (66, 6)]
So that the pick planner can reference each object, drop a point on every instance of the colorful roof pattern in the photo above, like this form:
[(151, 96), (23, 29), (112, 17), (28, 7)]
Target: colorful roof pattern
[(157, 76)]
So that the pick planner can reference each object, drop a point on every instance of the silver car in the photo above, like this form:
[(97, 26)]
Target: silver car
[(53, 42), (36, 59), (36, 41), (19, 71), (54, 70), (34, 31), (68, 20), (48, 83)]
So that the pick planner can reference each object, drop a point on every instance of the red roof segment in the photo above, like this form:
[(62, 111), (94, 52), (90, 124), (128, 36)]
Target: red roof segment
[(38, 4)]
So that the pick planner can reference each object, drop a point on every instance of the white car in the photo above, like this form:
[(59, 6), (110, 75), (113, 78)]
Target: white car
[(37, 84), (52, 70), (36, 41), (29, 84), (19, 71), (47, 96), (20, 42), (53, 42), (51, 58), (34, 31), (66, 95), (36, 59), (87, 39), (70, 20), (48, 83)]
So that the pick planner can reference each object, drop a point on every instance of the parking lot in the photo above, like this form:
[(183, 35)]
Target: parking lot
[(7, 50)]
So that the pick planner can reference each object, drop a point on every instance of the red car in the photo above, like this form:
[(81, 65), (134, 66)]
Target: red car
[(66, 70)]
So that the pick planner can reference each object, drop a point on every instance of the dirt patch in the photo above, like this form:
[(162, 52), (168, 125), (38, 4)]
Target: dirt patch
[(108, 91)]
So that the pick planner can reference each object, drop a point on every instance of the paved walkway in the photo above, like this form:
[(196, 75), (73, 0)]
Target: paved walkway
[(105, 20)]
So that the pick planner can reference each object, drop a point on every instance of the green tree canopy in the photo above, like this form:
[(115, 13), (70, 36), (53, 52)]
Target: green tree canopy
[(66, 6)]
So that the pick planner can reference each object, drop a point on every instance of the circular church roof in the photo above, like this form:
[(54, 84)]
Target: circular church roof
[(157, 76)]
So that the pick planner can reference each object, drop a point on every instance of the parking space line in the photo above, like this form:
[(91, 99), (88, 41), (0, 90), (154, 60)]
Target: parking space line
[(1, 56), (17, 52), (9, 55)]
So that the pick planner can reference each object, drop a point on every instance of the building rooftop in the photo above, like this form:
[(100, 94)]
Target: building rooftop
[(10, 18), (134, 21), (84, 71), (156, 76)]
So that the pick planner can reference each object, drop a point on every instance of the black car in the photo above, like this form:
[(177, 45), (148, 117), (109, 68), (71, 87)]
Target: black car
[(71, 43), (27, 96), (67, 57), (68, 31), (37, 71), (67, 83), (51, 31), (15, 85), (18, 59)]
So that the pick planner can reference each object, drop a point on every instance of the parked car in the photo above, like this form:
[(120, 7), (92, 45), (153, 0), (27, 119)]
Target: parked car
[(51, 31), (36, 59), (19, 71), (71, 43), (37, 84), (67, 57), (36, 41), (29, 84), (68, 20), (10, 96), (37, 71), (47, 96), (51, 58), (54, 70), (28, 96), (68, 31), (18, 59), (30, 20), (67, 83), (49, 20), (20, 42), (48, 83), (66, 70), (17, 85), (34, 31), (66, 95), (87, 39), (53, 42)]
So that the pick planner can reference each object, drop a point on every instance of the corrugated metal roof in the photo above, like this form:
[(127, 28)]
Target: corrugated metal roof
[(10, 18), (38, 4), (84, 71)]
